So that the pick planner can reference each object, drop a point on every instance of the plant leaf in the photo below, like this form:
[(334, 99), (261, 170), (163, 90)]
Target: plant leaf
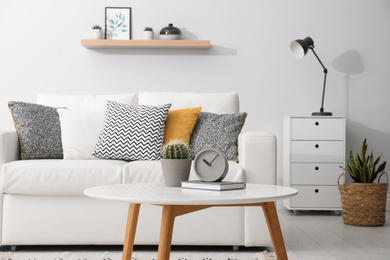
[(352, 160), (371, 176), (376, 161), (354, 172), (381, 168), (365, 173), (364, 150)]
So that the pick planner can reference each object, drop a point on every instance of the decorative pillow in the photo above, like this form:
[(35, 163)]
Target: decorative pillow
[(217, 132), (180, 123), (39, 130), (80, 129), (132, 132)]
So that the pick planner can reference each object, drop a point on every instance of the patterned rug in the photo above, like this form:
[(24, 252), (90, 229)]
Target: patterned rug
[(36, 255)]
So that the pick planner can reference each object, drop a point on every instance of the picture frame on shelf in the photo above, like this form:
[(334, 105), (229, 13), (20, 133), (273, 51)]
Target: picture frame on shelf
[(118, 23)]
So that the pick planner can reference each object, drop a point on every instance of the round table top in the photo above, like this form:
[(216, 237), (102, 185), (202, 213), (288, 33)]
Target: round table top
[(157, 193)]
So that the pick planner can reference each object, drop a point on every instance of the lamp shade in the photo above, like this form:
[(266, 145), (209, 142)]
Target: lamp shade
[(299, 47)]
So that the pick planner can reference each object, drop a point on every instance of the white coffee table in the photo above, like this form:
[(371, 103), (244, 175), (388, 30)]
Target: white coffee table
[(178, 201)]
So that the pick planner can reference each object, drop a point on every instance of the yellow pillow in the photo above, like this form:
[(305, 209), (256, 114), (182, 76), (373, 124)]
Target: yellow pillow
[(180, 123)]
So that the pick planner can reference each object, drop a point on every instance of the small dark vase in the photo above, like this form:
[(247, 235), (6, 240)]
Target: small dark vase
[(170, 33)]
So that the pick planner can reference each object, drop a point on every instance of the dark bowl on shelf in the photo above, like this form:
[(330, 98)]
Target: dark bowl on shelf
[(170, 33)]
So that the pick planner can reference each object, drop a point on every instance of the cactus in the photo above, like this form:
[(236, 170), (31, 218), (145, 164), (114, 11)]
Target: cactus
[(96, 27), (148, 29), (362, 169), (175, 149)]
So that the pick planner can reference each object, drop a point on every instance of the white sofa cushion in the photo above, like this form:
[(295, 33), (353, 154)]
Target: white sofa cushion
[(150, 171), (98, 102), (71, 177), (58, 177), (219, 103), (80, 130)]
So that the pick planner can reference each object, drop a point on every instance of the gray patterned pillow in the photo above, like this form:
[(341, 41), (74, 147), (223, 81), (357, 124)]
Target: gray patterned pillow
[(39, 130), (217, 132)]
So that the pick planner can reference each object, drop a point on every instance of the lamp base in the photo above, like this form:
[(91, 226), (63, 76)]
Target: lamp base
[(321, 114)]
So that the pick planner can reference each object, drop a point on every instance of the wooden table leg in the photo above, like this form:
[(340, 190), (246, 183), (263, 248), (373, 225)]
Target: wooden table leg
[(167, 221), (274, 229), (131, 227)]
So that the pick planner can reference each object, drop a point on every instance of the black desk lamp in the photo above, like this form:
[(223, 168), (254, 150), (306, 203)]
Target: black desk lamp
[(299, 49)]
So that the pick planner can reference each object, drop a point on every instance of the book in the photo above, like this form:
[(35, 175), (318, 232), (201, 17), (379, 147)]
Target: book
[(218, 185)]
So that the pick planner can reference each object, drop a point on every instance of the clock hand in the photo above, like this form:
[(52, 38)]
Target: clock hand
[(213, 159), (206, 162)]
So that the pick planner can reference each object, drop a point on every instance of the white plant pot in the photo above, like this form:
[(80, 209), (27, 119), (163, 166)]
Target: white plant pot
[(175, 171), (148, 35), (97, 34)]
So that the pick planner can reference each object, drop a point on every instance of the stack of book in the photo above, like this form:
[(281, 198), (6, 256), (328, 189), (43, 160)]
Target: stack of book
[(219, 185)]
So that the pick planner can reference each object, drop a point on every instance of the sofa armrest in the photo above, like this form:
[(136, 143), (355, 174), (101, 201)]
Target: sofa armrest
[(257, 155), (9, 147)]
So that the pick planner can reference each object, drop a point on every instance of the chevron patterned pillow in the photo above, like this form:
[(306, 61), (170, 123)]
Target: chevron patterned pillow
[(132, 132)]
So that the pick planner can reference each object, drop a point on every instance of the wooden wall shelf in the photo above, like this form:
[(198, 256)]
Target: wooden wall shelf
[(145, 44)]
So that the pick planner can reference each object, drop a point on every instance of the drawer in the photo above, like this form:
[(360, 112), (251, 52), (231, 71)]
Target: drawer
[(317, 151), (315, 173), (317, 128), (316, 197)]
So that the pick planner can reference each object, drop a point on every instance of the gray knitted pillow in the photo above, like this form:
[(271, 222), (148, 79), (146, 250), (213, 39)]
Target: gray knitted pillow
[(39, 130), (217, 132)]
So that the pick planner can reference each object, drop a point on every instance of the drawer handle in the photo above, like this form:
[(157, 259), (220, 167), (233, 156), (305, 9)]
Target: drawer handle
[(317, 145), (316, 191), (316, 168), (317, 123)]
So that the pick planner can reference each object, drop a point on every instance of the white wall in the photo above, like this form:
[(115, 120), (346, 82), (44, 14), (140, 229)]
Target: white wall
[(40, 52)]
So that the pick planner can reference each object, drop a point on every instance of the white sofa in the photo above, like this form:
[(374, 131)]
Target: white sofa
[(42, 201)]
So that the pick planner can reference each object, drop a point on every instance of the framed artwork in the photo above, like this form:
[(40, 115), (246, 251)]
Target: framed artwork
[(118, 23)]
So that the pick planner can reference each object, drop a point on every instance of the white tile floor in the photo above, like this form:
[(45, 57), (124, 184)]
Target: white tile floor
[(323, 235)]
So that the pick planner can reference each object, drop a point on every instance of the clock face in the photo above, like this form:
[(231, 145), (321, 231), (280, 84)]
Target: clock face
[(210, 165)]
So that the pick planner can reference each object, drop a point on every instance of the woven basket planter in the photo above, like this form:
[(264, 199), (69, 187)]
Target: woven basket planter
[(364, 204)]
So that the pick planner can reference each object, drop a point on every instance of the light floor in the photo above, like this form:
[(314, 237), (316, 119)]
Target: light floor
[(323, 236), (312, 235)]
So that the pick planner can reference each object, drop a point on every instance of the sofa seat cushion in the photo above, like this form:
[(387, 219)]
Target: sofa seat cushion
[(58, 177), (150, 171)]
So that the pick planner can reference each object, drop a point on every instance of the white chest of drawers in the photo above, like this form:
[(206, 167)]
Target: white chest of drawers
[(313, 150)]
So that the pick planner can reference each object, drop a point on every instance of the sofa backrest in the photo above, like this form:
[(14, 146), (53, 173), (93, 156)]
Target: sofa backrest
[(219, 103), (98, 102)]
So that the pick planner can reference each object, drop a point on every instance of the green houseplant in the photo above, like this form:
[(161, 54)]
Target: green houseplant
[(97, 32), (175, 162), (364, 202), (148, 33)]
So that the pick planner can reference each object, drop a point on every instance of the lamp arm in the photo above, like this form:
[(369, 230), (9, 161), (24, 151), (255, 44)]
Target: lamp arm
[(326, 73), (325, 69)]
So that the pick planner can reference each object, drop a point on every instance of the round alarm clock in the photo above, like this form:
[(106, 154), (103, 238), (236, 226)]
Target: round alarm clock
[(210, 165)]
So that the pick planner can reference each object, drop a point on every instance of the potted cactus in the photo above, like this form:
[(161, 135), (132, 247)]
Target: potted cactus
[(175, 162), (364, 202), (148, 33), (97, 32)]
